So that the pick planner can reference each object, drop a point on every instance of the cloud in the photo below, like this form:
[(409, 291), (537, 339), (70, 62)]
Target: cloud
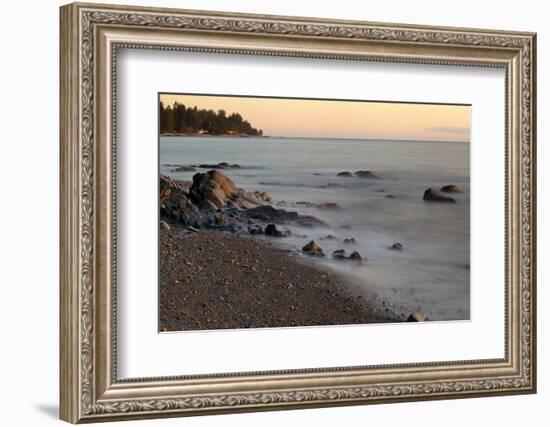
[(449, 129)]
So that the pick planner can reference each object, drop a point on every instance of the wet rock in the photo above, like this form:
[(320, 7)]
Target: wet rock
[(164, 225), (256, 229), (305, 204), (432, 195), (366, 174), (329, 237), (345, 173), (272, 230), (390, 196), (417, 317), (268, 213), (396, 247), (328, 206), (184, 168), (451, 188), (339, 254), (175, 203), (356, 256), (221, 165), (313, 248), (349, 241), (221, 219)]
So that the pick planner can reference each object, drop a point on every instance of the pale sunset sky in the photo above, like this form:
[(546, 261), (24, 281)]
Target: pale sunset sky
[(340, 119)]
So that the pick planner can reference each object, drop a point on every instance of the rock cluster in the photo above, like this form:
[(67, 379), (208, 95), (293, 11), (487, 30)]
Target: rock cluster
[(360, 174), (213, 200), (342, 255)]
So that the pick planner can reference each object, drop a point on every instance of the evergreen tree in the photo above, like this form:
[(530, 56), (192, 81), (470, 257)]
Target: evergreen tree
[(181, 119)]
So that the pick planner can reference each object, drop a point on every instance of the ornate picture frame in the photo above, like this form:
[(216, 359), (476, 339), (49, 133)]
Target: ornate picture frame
[(90, 37)]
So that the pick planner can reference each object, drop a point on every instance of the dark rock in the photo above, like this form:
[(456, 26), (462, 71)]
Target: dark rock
[(339, 254), (313, 248), (396, 247), (432, 195), (366, 174), (390, 196), (356, 256), (345, 173), (270, 214), (328, 206), (257, 229), (184, 168), (329, 237), (305, 204), (349, 241), (451, 188), (221, 165), (272, 230), (221, 219), (417, 317), (175, 203), (310, 221)]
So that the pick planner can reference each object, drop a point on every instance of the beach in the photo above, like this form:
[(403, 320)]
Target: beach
[(212, 279)]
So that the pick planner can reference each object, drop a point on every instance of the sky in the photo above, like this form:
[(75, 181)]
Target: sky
[(340, 119)]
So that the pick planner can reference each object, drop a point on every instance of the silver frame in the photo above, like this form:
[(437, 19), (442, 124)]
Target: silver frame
[(90, 37)]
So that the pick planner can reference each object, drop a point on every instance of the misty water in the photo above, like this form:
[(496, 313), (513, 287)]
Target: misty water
[(431, 275)]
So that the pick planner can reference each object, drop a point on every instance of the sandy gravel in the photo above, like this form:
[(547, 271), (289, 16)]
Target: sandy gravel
[(217, 280)]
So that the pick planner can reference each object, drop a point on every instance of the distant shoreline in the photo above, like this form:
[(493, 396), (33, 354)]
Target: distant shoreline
[(180, 134), (240, 135)]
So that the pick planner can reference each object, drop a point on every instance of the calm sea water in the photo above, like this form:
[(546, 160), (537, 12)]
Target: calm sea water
[(431, 275)]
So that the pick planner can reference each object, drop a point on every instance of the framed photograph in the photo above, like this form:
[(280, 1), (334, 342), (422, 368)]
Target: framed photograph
[(266, 212)]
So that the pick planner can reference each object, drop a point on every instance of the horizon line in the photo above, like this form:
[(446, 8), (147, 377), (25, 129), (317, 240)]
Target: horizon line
[(323, 137)]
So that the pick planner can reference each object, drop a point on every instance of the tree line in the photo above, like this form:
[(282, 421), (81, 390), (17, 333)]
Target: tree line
[(191, 120)]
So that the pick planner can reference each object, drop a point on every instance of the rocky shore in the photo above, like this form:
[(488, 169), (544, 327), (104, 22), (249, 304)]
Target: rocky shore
[(210, 279), (216, 274)]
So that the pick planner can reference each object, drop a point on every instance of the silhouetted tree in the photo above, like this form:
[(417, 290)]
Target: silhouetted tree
[(182, 119)]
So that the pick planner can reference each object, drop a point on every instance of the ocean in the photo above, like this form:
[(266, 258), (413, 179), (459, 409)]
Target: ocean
[(431, 275)]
